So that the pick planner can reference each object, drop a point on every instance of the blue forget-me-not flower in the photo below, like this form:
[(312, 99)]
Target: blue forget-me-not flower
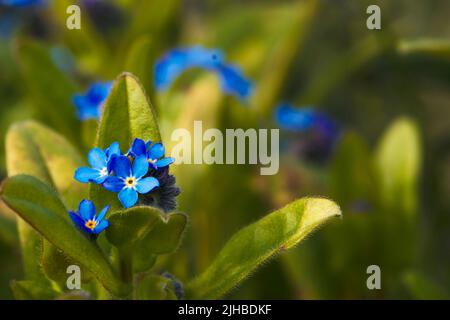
[(176, 61), (154, 153), (86, 218), (99, 160), (129, 179)]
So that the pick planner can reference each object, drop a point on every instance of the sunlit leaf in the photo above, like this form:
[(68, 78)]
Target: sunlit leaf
[(127, 114), (39, 205), (256, 243)]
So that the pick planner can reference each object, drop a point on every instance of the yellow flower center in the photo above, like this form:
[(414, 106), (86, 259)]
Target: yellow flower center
[(130, 182), (91, 224), (152, 161)]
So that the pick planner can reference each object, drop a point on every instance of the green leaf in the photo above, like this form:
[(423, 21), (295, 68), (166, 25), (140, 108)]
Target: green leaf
[(40, 206), (256, 243), (165, 237), (131, 225), (127, 114), (37, 150), (146, 232), (398, 160), (427, 46), (142, 260), (31, 290), (51, 90), (140, 60), (421, 287), (55, 263), (154, 287)]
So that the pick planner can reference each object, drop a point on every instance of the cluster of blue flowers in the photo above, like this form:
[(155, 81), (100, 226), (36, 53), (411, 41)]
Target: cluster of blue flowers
[(178, 60), (127, 174)]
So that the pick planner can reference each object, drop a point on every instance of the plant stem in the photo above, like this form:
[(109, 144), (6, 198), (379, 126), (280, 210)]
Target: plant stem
[(125, 265)]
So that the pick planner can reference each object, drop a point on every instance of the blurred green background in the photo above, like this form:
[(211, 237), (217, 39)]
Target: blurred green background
[(388, 90)]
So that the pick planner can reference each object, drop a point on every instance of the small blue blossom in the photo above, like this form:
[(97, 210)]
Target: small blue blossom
[(154, 153), (129, 179), (175, 62), (86, 220), (99, 161), (90, 105)]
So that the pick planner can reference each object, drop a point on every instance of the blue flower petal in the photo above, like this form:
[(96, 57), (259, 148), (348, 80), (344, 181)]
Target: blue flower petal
[(102, 225), (164, 162), (100, 179), (114, 149), (85, 109), (113, 184), (147, 184), (78, 222), (140, 167), (138, 147), (297, 119), (102, 214), (86, 209), (89, 105), (234, 82), (128, 197), (86, 174), (121, 166), (156, 151), (175, 62), (97, 158)]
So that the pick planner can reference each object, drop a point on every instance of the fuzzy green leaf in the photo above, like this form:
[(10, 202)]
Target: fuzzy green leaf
[(127, 114), (131, 225), (166, 235), (39, 205), (147, 232), (31, 290), (37, 150), (256, 243)]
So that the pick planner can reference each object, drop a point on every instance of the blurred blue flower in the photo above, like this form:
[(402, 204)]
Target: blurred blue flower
[(176, 61), (89, 105), (321, 132), (22, 3), (99, 161), (86, 220), (154, 153), (129, 179)]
